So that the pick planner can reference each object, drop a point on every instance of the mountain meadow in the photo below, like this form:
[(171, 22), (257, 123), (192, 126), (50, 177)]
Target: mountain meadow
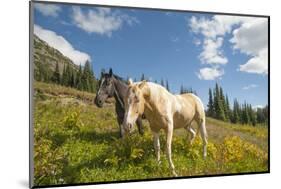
[(77, 142)]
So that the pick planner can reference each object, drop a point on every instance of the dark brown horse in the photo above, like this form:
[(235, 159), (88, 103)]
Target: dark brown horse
[(111, 85)]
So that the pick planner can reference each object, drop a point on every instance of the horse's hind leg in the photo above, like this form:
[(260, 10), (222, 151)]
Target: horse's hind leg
[(140, 126), (156, 143), (192, 133), (203, 132)]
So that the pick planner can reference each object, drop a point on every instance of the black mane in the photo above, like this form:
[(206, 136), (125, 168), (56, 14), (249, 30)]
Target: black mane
[(119, 78), (116, 77)]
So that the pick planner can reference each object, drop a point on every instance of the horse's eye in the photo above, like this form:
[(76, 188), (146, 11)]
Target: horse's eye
[(137, 99)]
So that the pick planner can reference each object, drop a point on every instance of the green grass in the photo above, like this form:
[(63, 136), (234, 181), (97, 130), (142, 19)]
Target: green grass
[(75, 142)]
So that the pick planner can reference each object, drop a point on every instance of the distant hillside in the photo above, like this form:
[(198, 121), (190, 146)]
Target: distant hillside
[(46, 57), (51, 66)]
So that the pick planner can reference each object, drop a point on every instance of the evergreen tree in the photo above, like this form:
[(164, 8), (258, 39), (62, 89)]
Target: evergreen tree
[(252, 115), (218, 106), (223, 103), (86, 77), (167, 85), (142, 77), (245, 114), (67, 75), (181, 89), (44, 73), (210, 104), (88, 80), (162, 83), (56, 74), (228, 110), (236, 112), (78, 82), (259, 115), (265, 113), (72, 78), (262, 115), (64, 76)]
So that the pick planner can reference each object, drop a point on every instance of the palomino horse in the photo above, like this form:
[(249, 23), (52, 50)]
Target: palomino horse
[(111, 85), (165, 111)]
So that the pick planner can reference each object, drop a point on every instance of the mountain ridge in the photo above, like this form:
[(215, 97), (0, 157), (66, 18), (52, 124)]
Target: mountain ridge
[(46, 57)]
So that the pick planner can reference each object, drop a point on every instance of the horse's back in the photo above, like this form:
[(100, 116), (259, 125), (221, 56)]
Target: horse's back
[(195, 102)]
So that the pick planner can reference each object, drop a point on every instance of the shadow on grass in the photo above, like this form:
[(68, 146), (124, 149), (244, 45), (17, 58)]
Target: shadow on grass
[(115, 148), (58, 138), (98, 137), (92, 136)]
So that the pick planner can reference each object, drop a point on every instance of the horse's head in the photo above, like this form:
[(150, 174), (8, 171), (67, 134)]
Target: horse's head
[(105, 88), (134, 104)]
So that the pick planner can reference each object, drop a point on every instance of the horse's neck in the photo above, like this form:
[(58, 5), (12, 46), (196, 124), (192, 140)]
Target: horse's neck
[(120, 89), (151, 100), (157, 96)]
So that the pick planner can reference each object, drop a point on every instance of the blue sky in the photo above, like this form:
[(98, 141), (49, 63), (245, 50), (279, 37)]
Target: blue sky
[(194, 50)]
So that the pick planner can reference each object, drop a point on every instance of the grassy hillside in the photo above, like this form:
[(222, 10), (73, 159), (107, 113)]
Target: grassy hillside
[(77, 142), (49, 55), (46, 57)]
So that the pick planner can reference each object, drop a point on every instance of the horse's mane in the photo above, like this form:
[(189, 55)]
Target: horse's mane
[(119, 78)]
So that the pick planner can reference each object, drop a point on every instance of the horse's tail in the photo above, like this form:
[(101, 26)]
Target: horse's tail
[(203, 133), (202, 124), (203, 130), (204, 136)]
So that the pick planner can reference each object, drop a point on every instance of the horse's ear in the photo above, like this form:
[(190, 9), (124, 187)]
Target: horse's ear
[(142, 84), (110, 72), (130, 82)]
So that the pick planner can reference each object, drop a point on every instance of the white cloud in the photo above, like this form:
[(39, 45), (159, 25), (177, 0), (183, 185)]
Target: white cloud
[(249, 37), (257, 64), (252, 39), (218, 25), (48, 9), (210, 73), (61, 44), (251, 86), (212, 54), (102, 21), (209, 28), (212, 30)]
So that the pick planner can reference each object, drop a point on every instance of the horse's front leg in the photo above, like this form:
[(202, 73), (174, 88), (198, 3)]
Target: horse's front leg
[(169, 133), (120, 116), (156, 143), (140, 126)]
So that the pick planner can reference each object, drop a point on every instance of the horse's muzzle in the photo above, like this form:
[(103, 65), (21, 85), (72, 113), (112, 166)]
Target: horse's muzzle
[(98, 102), (128, 128)]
